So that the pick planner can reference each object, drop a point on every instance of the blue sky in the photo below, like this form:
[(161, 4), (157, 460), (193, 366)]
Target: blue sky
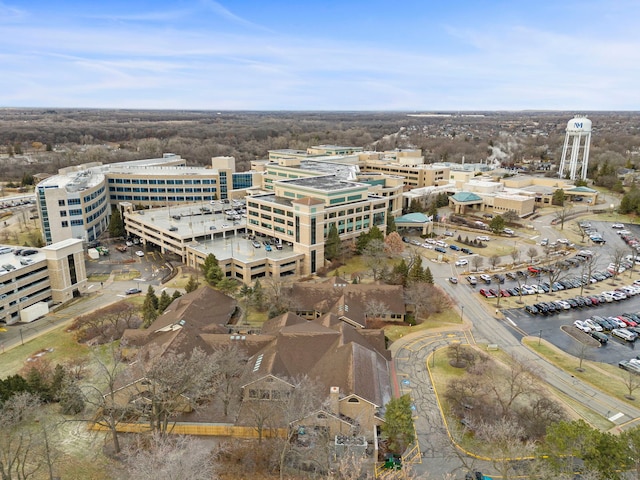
[(416, 55)]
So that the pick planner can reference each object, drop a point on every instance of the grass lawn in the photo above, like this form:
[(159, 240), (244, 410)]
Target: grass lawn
[(63, 344), (100, 277), (606, 378), (127, 275), (448, 318)]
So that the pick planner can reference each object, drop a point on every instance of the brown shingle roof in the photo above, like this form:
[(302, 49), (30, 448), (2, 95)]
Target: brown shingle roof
[(345, 299), (330, 352)]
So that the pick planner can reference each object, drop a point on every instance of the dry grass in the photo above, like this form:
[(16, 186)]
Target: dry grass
[(63, 344), (448, 318), (606, 378)]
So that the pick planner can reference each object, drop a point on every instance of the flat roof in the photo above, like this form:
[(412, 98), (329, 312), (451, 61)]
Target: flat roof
[(325, 183), (191, 219), (14, 260), (74, 182), (162, 170), (241, 249), (340, 170)]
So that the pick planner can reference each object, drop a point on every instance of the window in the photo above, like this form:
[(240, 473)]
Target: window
[(61, 203), (65, 224), (63, 213)]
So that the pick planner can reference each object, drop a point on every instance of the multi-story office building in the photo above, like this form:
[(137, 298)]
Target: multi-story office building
[(53, 275), (294, 214), (77, 202)]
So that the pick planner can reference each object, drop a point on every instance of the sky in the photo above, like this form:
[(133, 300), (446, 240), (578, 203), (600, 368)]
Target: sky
[(403, 55)]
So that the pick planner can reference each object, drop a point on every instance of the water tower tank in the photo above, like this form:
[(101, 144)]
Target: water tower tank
[(579, 125)]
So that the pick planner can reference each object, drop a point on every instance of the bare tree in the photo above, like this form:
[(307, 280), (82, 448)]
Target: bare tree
[(532, 253), (107, 411), (174, 383), (561, 214), (277, 297), (588, 267), (631, 381), (477, 262), (617, 257), (426, 299), (155, 456), (374, 256), (507, 386), (515, 255), (494, 260), (582, 351), (504, 438), (230, 364), (20, 441), (376, 309)]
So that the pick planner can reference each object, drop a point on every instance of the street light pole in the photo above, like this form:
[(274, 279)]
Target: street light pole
[(539, 337), (461, 312), (21, 339)]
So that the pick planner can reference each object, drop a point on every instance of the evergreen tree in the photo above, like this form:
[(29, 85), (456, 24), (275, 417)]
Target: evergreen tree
[(71, 399), (164, 301), (375, 234), (11, 385), (433, 210), (191, 285), (361, 242), (227, 285), (57, 382), (391, 224), (258, 296), (176, 294), (27, 179), (415, 206), (38, 385), (332, 243), (497, 224), (416, 274), (398, 425), (116, 224), (150, 307), (427, 276), (400, 272), (558, 197), (211, 270)]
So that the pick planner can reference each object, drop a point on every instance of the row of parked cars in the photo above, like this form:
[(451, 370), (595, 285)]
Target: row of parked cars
[(581, 301), (632, 365), (625, 326)]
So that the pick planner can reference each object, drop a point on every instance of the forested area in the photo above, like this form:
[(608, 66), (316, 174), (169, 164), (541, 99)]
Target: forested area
[(43, 140)]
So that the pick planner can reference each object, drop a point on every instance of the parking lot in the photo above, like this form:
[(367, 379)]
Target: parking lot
[(548, 326)]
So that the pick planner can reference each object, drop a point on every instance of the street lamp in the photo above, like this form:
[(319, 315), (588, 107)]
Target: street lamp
[(21, 339), (461, 312)]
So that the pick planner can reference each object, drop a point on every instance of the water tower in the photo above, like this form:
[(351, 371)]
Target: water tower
[(576, 147)]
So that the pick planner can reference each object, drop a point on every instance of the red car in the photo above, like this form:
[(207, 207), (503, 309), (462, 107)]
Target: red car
[(487, 293), (533, 270)]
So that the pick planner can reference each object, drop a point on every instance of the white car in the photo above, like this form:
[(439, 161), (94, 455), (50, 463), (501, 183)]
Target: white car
[(617, 225), (618, 295), (564, 304), (582, 326), (485, 277), (508, 231), (426, 245), (140, 253), (592, 325), (483, 238), (462, 262)]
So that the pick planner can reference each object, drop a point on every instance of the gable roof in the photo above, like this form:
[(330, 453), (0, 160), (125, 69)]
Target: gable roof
[(463, 197), (345, 299), (185, 324), (415, 217), (331, 353)]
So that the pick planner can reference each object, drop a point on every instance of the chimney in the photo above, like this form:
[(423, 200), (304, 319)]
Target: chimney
[(334, 397)]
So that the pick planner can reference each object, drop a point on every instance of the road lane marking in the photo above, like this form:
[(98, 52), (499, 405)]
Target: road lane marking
[(616, 416), (511, 321)]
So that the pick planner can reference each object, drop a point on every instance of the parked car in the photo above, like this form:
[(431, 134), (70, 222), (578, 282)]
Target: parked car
[(487, 293), (483, 238), (581, 325), (440, 249), (140, 253), (132, 291), (624, 334), (592, 325), (531, 309), (485, 278), (462, 262), (472, 280)]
